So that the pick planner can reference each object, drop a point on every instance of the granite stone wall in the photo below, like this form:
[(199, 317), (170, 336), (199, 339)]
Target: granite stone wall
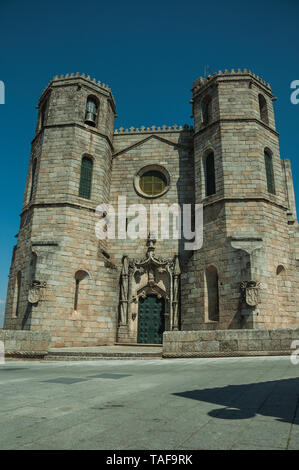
[(221, 343), (25, 343)]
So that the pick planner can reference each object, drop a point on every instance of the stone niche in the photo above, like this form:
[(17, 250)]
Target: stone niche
[(147, 276), (249, 253)]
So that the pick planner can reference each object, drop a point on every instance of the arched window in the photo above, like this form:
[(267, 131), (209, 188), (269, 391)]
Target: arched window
[(91, 111), (210, 174), (263, 109), (212, 295), (33, 171), (18, 293), (280, 271), (43, 114), (85, 177), (206, 110), (79, 277), (269, 172)]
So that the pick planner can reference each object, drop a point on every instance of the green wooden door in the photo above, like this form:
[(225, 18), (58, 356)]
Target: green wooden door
[(150, 320)]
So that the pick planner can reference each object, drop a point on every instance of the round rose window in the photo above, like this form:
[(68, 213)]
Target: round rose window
[(152, 181)]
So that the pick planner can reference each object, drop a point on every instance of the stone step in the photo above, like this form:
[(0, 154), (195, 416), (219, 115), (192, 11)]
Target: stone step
[(54, 358), (102, 352)]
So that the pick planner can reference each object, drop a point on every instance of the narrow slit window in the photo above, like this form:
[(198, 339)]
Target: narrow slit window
[(210, 175), (18, 295), (86, 178), (269, 173), (212, 282)]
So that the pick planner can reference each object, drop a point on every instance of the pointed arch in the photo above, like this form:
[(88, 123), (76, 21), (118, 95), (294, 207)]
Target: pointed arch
[(280, 270)]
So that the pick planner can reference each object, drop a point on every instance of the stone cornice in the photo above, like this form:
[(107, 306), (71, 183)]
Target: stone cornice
[(224, 120), (34, 205), (243, 199), (75, 124)]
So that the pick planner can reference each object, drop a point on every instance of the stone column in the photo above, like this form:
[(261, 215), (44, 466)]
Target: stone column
[(124, 292)]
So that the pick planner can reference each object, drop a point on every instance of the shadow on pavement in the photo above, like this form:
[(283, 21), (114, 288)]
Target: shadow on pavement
[(277, 398)]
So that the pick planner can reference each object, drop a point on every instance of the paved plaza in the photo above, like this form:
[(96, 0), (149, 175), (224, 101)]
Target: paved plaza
[(214, 403)]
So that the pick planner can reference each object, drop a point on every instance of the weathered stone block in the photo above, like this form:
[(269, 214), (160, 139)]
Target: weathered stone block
[(228, 345)]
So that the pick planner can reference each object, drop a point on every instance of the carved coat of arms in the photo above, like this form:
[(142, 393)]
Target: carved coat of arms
[(250, 291), (34, 293)]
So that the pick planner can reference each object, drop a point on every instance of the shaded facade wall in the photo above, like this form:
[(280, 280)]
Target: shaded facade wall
[(173, 151)]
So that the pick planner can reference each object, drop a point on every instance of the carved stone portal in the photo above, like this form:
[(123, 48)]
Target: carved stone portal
[(149, 275)]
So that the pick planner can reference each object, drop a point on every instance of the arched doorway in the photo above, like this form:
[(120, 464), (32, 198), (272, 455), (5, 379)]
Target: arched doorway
[(151, 321)]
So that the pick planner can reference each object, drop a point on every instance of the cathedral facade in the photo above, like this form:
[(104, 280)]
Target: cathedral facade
[(89, 290)]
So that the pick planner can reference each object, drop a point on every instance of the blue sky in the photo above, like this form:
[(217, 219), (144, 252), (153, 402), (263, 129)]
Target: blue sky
[(149, 53)]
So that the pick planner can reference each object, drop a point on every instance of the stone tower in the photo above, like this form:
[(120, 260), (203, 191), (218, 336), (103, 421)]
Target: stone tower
[(244, 273), (58, 263)]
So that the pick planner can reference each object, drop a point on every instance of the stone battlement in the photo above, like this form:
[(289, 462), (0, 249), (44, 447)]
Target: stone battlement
[(77, 76), (149, 130), (202, 81)]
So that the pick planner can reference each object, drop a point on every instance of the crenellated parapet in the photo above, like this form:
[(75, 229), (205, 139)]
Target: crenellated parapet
[(156, 129), (202, 82), (68, 78)]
